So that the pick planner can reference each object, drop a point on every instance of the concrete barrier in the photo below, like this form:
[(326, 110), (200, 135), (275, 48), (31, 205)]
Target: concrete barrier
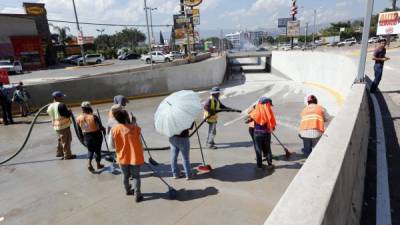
[(328, 189), (137, 83), (332, 70)]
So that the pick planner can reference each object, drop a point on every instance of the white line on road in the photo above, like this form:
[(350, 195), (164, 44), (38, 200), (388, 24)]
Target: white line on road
[(383, 212)]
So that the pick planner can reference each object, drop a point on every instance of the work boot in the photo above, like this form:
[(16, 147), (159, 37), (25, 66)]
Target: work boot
[(99, 166), (139, 198), (70, 157), (59, 155), (130, 191)]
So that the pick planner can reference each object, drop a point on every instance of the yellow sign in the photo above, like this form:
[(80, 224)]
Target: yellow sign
[(35, 10), (192, 3), (196, 12)]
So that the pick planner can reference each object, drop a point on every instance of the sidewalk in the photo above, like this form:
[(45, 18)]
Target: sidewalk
[(377, 209)]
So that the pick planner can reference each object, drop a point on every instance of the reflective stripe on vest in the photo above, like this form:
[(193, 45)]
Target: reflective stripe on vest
[(214, 106), (312, 117), (87, 123), (59, 122)]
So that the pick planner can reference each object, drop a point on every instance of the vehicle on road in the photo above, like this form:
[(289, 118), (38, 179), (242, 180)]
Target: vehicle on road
[(373, 40), (91, 59), (129, 56), (261, 49), (176, 54), (285, 47), (12, 67), (347, 42), (157, 56), (71, 59)]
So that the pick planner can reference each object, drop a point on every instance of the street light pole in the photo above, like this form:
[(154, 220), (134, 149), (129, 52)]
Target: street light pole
[(148, 34), (79, 33), (364, 43), (305, 37), (151, 22)]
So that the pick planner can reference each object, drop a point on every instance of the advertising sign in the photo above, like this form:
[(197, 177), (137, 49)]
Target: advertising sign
[(4, 77), (282, 22), (180, 36), (389, 23), (196, 20), (192, 3), (180, 20), (293, 28)]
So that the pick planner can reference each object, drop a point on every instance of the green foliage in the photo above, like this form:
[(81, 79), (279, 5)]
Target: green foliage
[(126, 38), (62, 34)]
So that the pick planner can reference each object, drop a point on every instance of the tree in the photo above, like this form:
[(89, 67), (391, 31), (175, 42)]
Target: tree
[(62, 32), (270, 40)]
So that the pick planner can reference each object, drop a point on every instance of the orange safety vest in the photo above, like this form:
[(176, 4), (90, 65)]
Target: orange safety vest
[(128, 145), (87, 123), (312, 117), (263, 114)]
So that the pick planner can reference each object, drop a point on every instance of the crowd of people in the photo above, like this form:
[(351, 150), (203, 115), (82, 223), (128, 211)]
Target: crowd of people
[(124, 135)]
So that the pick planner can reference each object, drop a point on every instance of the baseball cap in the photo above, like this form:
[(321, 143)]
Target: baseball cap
[(215, 90), (58, 94), (86, 104), (265, 100)]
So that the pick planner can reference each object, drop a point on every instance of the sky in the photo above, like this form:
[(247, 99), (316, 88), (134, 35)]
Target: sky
[(215, 14)]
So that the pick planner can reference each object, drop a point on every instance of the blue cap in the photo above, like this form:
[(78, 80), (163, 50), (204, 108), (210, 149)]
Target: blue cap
[(265, 100), (215, 90), (58, 94)]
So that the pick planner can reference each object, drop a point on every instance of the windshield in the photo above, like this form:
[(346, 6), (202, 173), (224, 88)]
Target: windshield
[(5, 63)]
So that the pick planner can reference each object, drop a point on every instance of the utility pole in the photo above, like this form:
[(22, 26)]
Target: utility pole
[(80, 33), (305, 37), (184, 13), (364, 45), (148, 34), (315, 26), (293, 12), (151, 22)]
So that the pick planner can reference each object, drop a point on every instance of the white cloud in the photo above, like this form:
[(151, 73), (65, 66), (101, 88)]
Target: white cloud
[(13, 10)]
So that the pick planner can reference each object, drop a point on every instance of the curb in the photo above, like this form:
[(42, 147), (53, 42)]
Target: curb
[(89, 66)]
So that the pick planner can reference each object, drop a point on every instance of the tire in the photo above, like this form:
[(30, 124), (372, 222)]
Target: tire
[(148, 61), (98, 61), (167, 60)]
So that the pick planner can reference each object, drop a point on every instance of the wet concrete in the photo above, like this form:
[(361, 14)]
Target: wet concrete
[(39, 189)]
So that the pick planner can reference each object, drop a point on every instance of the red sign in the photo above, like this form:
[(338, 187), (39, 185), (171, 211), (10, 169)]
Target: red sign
[(4, 77)]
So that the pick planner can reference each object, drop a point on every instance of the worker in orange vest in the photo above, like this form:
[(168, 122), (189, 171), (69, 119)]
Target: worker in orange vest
[(125, 138), (312, 124), (91, 130), (264, 124)]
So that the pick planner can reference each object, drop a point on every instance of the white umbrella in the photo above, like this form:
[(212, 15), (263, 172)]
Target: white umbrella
[(177, 112)]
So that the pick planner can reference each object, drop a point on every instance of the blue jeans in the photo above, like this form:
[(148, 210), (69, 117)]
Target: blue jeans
[(131, 171), (212, 131), (263, 145), (309, 144), (182, 145), (378, 69)]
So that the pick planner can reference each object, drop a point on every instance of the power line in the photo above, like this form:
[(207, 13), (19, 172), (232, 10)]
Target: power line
[(110, 24)]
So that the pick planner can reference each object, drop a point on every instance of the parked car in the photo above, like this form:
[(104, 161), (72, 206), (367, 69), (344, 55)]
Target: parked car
[(261, 49), (12, 67), (129, 56), (373, 40), (176, 54), (348, 42), (71, 59), (157, 56), (91, 59)]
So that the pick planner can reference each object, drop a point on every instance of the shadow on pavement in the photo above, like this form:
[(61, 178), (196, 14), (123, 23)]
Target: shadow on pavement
[(183, 194)]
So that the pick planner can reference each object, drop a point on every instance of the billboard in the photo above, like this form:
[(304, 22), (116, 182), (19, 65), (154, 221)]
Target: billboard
[(192, 3), (389, 23), (282, 22), (293, 28)]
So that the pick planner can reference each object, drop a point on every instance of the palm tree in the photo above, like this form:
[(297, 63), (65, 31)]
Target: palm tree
[(63, 37)]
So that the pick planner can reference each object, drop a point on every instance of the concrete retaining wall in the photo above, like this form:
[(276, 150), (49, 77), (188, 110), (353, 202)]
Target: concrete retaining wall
[(328, 190), (335, 71), (160, 80)]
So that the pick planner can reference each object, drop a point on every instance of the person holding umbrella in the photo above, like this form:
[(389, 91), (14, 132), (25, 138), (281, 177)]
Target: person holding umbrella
[(90, 130), (211, 108), (264, 124)]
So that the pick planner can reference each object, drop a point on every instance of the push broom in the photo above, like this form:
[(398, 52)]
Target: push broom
[(204, 167), (287, 152)]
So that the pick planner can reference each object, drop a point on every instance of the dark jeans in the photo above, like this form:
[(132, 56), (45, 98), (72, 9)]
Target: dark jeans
[(6, 110), (131, 171), (378, 69), (263, 144), (251, 132), (94, 142), (309, 144)]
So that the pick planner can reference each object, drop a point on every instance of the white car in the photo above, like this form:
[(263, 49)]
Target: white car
[(349, 42), (373, 40), (91, 59), (12, 67), (157, 56)]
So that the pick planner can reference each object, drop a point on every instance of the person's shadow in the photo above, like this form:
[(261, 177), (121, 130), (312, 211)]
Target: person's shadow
[(182, 194)]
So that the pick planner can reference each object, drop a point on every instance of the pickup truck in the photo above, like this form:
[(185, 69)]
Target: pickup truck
[(157, 56)]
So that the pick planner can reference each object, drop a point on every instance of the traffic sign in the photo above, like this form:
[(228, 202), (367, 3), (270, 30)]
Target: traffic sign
[(282, 22), (293, 28)]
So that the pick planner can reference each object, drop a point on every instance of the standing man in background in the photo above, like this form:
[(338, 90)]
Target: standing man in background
[(6, 105), (380, 58), (61, 119)]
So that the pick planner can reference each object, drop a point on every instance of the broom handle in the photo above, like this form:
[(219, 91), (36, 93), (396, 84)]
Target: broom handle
[(201, 148), (278, 140), (104, 137)]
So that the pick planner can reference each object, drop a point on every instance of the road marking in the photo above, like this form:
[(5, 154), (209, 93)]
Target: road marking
[(383, 212), (338, 96)]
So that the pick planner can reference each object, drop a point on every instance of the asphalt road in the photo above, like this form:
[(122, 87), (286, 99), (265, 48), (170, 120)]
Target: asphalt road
[(39, 189), (70, 71)]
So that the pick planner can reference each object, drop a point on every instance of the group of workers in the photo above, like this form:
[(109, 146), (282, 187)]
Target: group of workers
[(124, 135), (20, 96)]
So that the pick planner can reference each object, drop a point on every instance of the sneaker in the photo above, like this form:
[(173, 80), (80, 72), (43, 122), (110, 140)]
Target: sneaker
[(212, 147), (91, 169), (130, 192), (60, 155), (179, 176), (70, 157), (190, 177), (139, 198), (100, 166), (271, 167)]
